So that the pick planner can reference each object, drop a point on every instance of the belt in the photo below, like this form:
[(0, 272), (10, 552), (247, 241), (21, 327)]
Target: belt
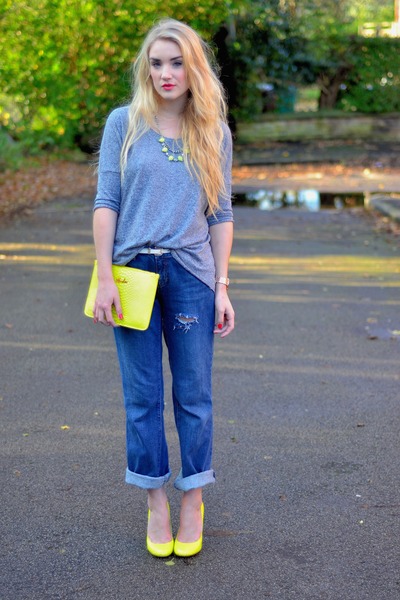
[(156, 251)]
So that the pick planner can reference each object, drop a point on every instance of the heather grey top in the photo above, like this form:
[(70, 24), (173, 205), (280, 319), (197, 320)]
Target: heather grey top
[(158, 202)]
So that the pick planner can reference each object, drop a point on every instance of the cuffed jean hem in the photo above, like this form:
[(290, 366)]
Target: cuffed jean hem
[(192, 482), (144, 482)]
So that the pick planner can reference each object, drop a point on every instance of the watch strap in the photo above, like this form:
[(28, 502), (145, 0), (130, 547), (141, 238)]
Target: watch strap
[(224, 280)]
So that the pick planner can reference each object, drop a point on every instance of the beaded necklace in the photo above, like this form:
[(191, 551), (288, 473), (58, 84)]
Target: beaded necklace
[(171, 154)]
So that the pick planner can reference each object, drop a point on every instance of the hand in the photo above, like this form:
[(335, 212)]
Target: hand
[(224, 313), (107, 297)]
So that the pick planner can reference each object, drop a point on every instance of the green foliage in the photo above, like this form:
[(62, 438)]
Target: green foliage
[(331, 50), (291, 42), (373, 84), (11, 152), (263, 50), (355, 73), (318, 19), (65, 63)]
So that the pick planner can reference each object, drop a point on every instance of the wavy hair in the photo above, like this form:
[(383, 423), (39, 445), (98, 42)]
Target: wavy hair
[(204, 113)]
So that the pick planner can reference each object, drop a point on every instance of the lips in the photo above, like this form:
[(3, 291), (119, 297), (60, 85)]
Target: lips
[(168, 86)]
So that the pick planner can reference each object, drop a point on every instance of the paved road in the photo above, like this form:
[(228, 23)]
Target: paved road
[(306, 412)]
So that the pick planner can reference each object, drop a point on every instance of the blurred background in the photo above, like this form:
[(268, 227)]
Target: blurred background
[(64, 64)]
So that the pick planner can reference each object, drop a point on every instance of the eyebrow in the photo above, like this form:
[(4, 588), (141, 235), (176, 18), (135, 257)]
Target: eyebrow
[(171, 59)]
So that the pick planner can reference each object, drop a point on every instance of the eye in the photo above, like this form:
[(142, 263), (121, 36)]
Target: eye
[(155, 63), (178, 63)]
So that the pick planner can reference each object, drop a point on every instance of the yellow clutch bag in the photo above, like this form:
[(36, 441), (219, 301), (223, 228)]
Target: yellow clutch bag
[(137, 291)]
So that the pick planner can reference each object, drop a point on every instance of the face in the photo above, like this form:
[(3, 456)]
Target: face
[(167, 70)]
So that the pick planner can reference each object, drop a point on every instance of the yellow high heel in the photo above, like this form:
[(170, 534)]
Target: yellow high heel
[(159, 550), (190, 548)]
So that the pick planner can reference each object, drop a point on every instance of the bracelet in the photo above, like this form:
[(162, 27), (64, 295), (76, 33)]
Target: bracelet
[(224, 280)]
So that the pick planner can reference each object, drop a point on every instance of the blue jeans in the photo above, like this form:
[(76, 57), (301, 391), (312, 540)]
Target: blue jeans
[(184, 313)]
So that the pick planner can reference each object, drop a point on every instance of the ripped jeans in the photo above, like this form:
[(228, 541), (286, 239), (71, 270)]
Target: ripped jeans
[(184, 314)]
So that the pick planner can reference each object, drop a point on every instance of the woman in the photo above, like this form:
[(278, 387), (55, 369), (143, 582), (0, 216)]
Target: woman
[(163, 205)]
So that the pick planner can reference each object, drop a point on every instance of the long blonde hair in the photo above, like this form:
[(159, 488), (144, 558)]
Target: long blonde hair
[(205, 110)]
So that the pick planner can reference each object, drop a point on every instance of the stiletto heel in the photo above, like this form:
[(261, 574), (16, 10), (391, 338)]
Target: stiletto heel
[(159, 550), (190, 548)]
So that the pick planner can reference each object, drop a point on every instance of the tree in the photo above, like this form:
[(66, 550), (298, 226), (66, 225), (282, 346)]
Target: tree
[(331, 43), (66, 63), (336, 17), (263, 49)]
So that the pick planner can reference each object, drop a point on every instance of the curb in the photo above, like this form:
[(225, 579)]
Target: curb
[(387, 205)]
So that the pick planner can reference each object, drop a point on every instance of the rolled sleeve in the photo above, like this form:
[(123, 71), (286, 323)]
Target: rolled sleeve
[(108, 191), (221, 216)]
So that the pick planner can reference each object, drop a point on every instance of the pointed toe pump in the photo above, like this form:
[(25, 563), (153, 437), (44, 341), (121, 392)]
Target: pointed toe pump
[(159, 550), (185, 549)]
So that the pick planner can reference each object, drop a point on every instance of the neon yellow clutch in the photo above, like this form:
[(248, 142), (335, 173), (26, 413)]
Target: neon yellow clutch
[(137, 291)]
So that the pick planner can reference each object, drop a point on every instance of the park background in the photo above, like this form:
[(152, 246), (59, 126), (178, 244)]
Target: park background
[(294, 71)]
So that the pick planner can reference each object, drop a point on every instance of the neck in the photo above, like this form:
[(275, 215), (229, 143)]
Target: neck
[(171, 110), (169, 127), (169, 118)]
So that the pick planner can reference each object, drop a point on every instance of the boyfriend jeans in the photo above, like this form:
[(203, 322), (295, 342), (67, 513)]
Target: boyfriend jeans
[(184, 314)]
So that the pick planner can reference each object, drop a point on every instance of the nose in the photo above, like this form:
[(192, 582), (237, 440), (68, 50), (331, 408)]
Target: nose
[(166, 72)]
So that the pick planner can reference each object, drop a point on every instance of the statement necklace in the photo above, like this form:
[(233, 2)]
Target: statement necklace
[(172, 154)]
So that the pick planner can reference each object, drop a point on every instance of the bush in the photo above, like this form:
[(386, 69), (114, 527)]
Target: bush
[(264, 51), (373, 83), (64, 65), (11, 152)]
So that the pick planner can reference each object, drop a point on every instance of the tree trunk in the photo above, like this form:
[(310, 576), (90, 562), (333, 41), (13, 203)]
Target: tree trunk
[(330, 86)]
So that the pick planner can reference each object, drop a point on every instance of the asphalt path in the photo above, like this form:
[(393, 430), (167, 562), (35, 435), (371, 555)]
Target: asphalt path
[(306, 504)]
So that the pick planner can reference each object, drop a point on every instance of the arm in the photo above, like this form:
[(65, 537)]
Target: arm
[(104, 224), (221, 245)]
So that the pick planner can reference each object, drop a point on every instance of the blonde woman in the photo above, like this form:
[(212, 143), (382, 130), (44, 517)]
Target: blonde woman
[(163, 205)]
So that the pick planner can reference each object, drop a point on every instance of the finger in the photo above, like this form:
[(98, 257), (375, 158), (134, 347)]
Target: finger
[(229, 323), (108, 317), (219, 321), (118, 307), (221, 326), (227, 330), (103, 315)]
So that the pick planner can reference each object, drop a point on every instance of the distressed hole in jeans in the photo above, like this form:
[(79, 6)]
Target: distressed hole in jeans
[(184, 322)]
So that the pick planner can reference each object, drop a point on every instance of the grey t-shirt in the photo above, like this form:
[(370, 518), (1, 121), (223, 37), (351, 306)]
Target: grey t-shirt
[(159, 203)]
